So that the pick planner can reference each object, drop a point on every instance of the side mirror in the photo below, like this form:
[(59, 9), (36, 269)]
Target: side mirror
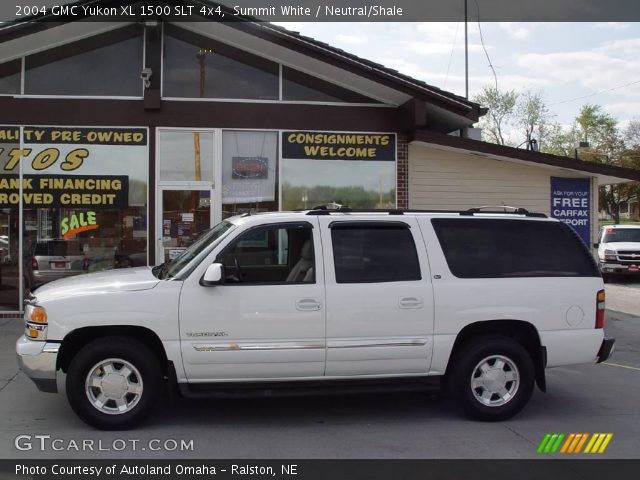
[(213, 276), (596, 245)]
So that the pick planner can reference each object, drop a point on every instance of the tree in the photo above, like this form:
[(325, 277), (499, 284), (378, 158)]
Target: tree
[(632, 134), (532, 116), (501, 110)]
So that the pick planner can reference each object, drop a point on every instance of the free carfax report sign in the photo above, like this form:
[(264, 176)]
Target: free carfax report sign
[(571, 204)]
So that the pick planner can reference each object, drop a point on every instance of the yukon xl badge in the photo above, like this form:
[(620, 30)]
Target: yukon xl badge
[(206, 334)]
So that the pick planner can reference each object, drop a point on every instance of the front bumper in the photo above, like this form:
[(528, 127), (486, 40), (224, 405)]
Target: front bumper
[(620, 268), (38, 361), (606, 349)]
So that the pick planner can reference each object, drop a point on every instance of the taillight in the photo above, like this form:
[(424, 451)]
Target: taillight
[(34, 263), (600, 309)]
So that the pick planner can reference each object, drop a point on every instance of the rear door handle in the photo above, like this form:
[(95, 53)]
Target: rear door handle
[(410, 302), (308, 304)]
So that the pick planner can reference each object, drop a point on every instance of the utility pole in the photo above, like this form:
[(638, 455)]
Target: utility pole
[(466, 51)]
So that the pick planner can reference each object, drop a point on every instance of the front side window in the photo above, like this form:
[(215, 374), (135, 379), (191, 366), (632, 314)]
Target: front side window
[(10, 77), (383, 252), (506, 248), (271, 255)]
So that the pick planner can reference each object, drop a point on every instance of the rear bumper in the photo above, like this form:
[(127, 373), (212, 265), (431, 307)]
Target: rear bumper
[(38, 361), (606, 349)]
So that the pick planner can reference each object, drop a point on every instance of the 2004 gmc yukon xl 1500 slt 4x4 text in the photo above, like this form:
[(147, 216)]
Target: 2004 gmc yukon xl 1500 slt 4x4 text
[(326, 298)]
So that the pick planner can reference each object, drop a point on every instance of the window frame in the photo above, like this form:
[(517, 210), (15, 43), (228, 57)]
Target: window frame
[(374, 225), (266, 226)]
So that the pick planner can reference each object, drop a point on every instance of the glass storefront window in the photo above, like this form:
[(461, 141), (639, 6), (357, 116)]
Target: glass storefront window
[(249, 172), (186, 155), (199, 67), (349, 168), (300, 86), (84, 203), (358, 184), (10, 77), (103, 65)]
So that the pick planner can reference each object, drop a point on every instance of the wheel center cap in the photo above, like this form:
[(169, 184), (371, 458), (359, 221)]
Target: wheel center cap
[(114, 385), (494, 380)]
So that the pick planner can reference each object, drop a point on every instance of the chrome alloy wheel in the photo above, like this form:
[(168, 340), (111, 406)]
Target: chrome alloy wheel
[(495, 380), (113, 386)]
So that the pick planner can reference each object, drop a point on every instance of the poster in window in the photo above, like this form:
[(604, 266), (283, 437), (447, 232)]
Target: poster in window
[(249, 166)]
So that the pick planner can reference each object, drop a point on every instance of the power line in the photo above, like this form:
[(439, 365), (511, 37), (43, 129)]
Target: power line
[(600, 92), (495, 76), (453, 47)]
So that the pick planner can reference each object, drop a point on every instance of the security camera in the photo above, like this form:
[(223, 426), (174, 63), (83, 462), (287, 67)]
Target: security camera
[(146, 76)]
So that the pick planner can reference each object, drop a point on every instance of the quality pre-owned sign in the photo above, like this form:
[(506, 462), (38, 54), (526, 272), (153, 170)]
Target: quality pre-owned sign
[(571, 204), (73, 167), (339, 146)]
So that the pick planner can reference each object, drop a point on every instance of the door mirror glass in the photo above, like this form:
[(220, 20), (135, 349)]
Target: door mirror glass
[(213, 276)]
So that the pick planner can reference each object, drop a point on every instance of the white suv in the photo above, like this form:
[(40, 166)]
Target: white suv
[(619, 250), (325, 299)]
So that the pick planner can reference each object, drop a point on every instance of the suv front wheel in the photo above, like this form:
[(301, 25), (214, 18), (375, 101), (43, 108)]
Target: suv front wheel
[(113, 383), (492, 378)]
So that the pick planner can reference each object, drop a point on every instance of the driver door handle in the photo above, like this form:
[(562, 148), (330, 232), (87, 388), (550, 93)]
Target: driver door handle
[(308, 304)]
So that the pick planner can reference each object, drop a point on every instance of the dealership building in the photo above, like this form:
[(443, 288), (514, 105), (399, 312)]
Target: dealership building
[(121, 142)]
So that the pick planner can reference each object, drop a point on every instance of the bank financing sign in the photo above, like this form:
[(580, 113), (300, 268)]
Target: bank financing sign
[(571, 204)]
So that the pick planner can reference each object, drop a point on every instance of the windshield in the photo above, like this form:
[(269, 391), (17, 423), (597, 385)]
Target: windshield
[(207, 239), (612, 235)]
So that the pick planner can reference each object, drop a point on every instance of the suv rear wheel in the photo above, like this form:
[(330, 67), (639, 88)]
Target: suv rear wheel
[(113, 383), (492, 378)]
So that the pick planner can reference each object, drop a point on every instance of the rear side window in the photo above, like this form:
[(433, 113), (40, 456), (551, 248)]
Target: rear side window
[(482, 248), (374, 253)]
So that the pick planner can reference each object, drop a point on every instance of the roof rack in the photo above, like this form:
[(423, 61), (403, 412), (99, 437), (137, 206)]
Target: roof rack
[(330, 208), (502, 209)]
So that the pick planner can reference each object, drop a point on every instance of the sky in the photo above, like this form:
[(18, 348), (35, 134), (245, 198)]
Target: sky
[(563, 61)]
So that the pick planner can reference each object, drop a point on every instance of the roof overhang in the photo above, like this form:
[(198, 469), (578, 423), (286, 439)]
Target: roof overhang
[(606, 174), (446, 111)]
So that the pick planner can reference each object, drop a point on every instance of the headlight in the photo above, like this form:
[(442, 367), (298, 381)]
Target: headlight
[(36, 323), (610, 255)]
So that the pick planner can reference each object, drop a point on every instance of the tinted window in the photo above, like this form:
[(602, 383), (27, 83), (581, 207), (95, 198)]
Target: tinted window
[(199, 67), (107, 64), (10, 77), (374, 253), (612, 235), (300, 86), (271, 255), (479, 248)]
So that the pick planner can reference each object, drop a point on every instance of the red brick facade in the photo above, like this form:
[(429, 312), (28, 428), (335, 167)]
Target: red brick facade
[(402, 172)]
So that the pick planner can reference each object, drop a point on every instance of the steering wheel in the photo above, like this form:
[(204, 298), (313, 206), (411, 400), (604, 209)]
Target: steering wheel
[(238, 269)]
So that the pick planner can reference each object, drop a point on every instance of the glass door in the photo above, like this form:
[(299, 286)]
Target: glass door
[(185, 215), (185, 188)]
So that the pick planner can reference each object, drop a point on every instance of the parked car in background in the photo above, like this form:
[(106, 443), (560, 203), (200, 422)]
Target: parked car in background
[(52, 259), (619, 250)]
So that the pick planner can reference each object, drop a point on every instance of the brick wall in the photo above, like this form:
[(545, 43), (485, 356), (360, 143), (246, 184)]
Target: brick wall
[(402, 173)]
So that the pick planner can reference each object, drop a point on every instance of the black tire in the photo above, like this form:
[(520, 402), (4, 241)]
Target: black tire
[(137, 355), (466, 361), (606, 278)]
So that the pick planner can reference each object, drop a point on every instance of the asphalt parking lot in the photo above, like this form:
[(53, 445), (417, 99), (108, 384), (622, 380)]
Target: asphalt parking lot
[(585, 398)]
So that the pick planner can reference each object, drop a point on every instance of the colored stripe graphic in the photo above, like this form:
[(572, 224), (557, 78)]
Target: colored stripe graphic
[(573, 443)]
